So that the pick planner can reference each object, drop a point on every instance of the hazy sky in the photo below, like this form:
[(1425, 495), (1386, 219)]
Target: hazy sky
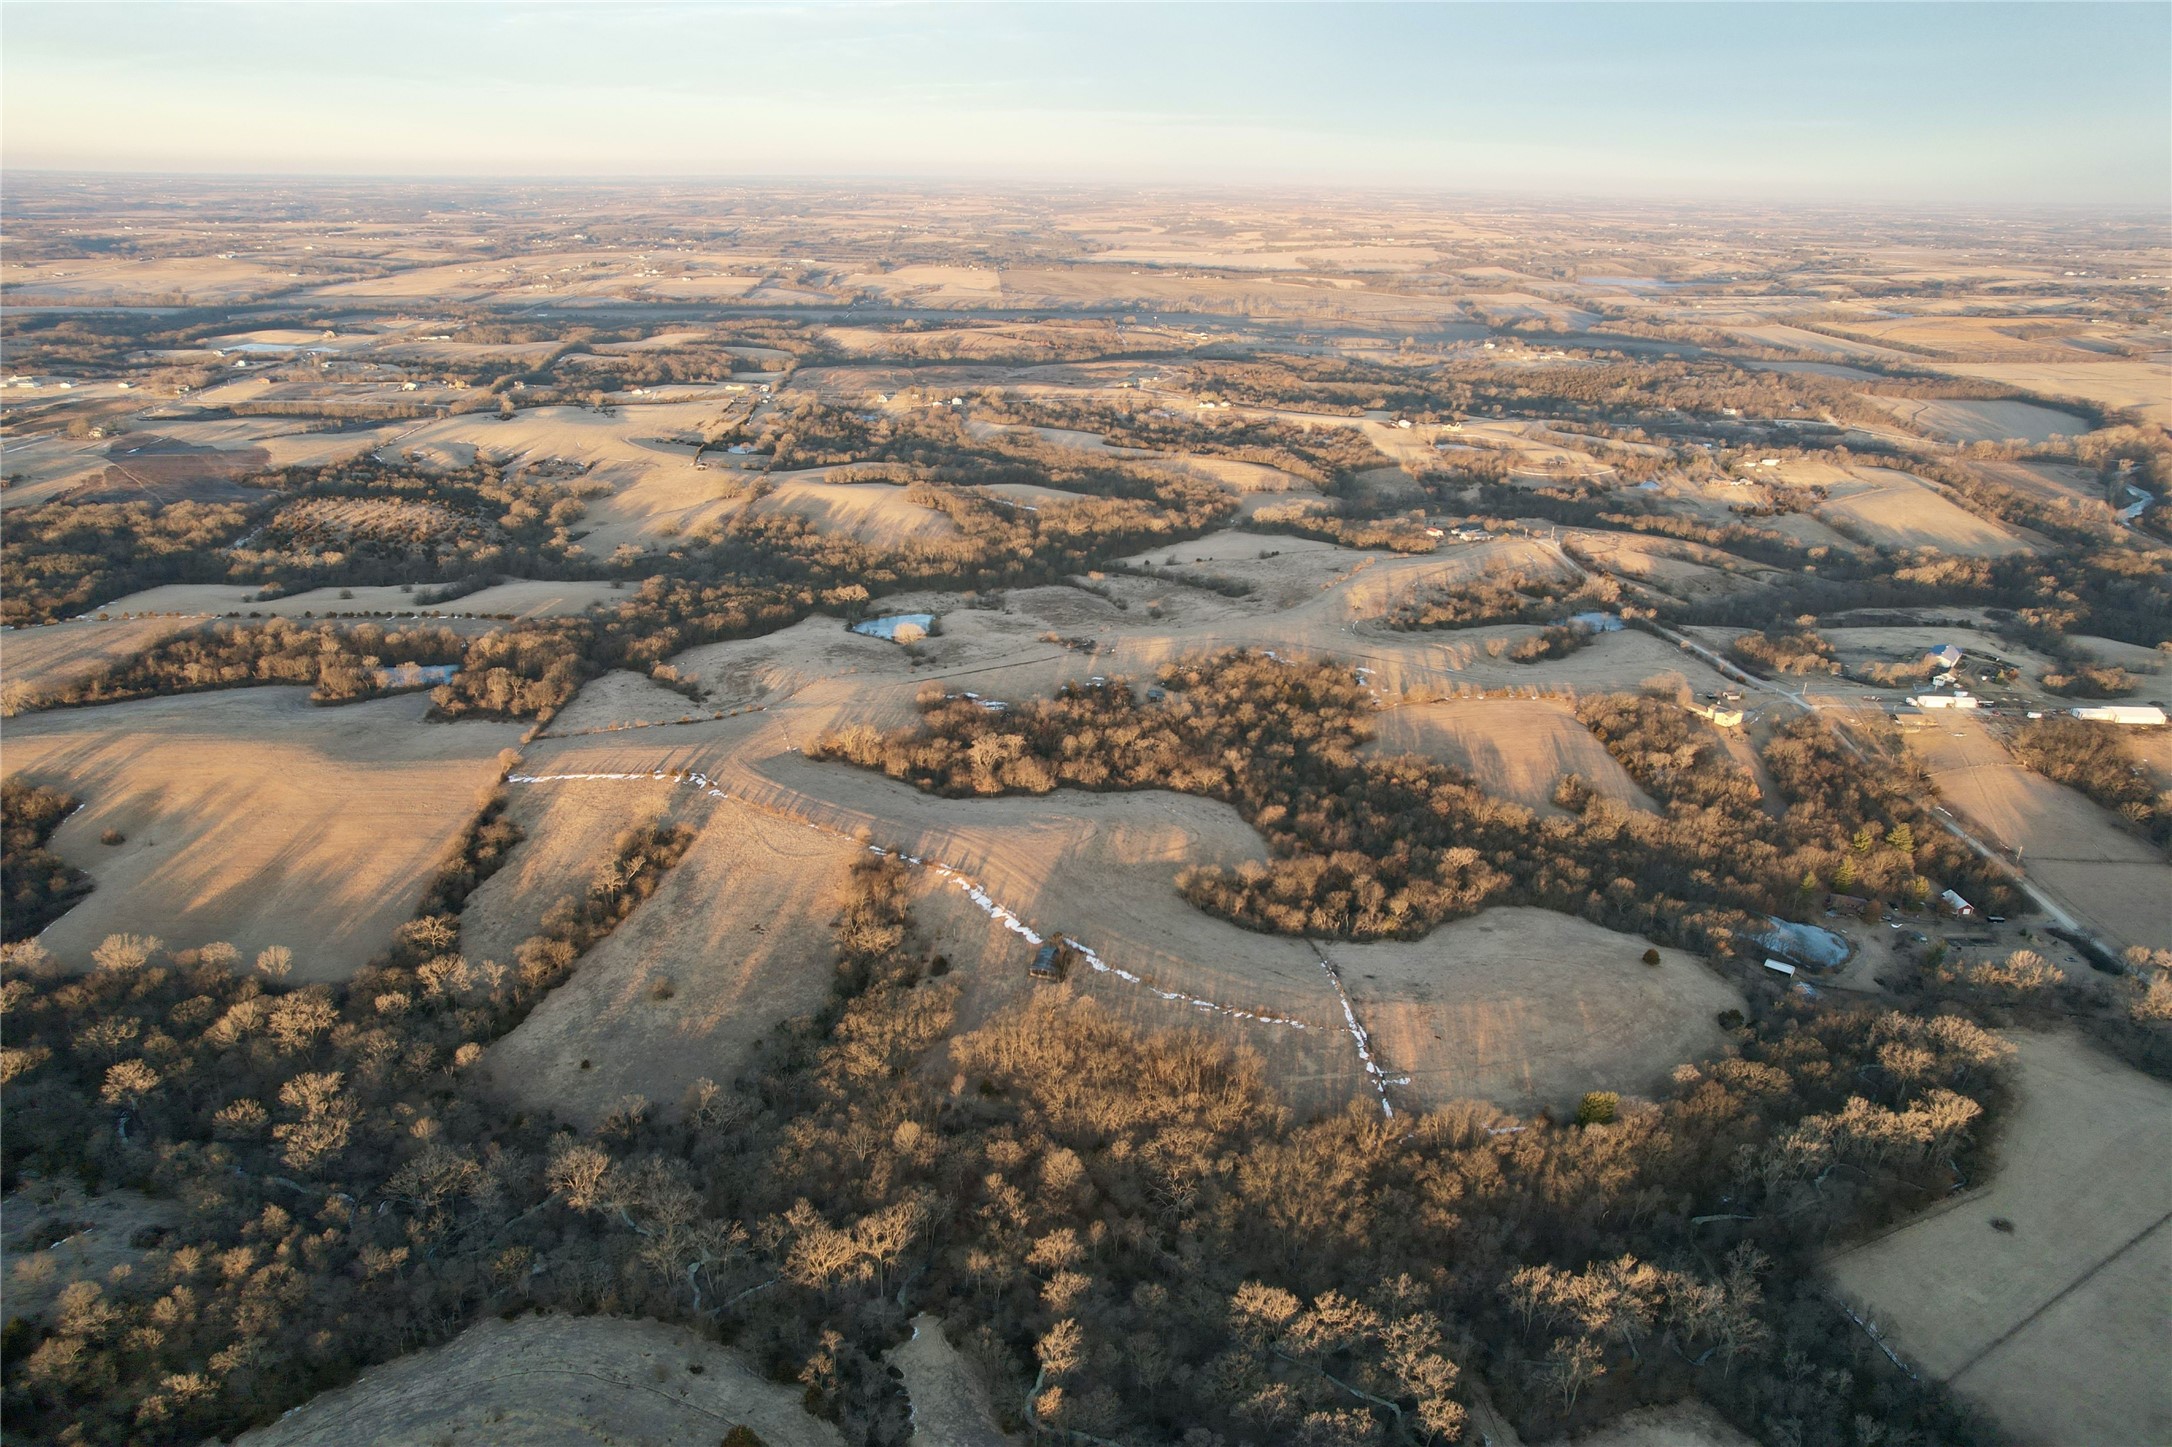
[(2012, 103)]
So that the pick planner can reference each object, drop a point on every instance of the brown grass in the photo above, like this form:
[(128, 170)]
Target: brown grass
[(1516, 748), (256, 818), (2106, 876), (2044, 1325), (1527, 1009)]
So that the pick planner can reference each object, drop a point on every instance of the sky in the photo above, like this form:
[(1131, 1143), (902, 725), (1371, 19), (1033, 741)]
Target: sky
[(1949, 103)]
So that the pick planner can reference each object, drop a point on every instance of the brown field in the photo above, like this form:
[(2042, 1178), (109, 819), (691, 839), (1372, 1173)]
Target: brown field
[(2145, 386), (1529, 1009), (950, 1406), (1099, 868), (256, 818), (2037, 1325), (554, 1381), (622, 699), (1968, 421), (1798, 339), (1896, 510), (518, 598), (868, 512), (567, 831), (1516, 748), (2107, 877), (42, 660), (684, 989)]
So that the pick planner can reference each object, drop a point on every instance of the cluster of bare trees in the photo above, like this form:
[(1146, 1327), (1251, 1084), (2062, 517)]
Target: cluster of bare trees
[(1367, 847), (37, 886), (1508, 597), (1774, 650), (2091, 756)]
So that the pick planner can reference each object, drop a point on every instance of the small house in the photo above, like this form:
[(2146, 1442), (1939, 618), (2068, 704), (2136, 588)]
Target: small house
[(1958, 905)]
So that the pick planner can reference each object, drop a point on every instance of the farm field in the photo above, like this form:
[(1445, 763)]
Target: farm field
[(256, 818), (1515, 748), (2071, 847), (2145, 386), (2023, 1320), (683, 990), (1988, 421), (1529, 1009), (1898, 511), (43, 660), (554, 1381)]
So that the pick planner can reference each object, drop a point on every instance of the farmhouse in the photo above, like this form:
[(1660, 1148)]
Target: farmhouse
[(1720, 715)]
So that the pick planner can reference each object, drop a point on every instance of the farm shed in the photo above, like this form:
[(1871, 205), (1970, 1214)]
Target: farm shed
[(1946, 655), (1780, 967), (2142, 714), (1050, 961), (1957, 904)]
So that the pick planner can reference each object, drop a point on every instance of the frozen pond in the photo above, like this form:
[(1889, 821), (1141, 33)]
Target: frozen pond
[(918, 625)]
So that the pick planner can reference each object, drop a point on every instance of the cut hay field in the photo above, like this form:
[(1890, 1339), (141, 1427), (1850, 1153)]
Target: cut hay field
[(1528, 1009), (1516, 748), (256, 818), (1972, 421), (1101, 868), (2037, 1324), (2073, 849), (554, 1381), (686, 988), (567, 831), (516, 598), (2145, 386), (1895, 510)]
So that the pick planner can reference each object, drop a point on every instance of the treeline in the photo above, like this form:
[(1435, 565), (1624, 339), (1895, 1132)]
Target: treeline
[(2091, 756), (339, 663), (57, 559), (39, 886), (443, 526), (1792, 651), (1507, 597), (1367, 848)]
